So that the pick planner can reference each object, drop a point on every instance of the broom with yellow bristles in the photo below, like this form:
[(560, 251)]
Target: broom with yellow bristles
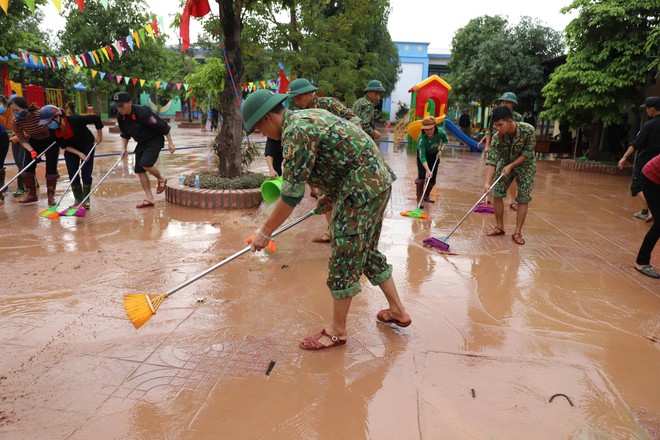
[(140, 307)]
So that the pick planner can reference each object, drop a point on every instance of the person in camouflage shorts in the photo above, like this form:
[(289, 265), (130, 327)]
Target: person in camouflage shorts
[(340, 159), (512, 155), (365, 110), (510, 100), (302, 95)]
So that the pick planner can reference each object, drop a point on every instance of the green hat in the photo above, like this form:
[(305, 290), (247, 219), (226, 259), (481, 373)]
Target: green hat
[(374, 86), (300, 86), (257, 104), (509, 96)]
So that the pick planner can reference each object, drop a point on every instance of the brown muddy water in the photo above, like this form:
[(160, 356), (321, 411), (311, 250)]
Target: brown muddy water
[(556, 339)]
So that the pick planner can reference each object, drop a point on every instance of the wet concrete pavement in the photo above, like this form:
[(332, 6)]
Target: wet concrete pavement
[(498, 329)]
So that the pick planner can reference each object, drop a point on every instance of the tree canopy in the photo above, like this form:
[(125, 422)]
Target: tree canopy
[(489, 57), (610, 60)]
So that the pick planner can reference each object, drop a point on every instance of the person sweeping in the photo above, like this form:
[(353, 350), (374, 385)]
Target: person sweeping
[(512, 156), (341, 160), (77, 141), (149, 131), (430, 144)]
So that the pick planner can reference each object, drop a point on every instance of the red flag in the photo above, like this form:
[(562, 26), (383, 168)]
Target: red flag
[(154, 26), (81, 5), (196, 8), (284, 81)]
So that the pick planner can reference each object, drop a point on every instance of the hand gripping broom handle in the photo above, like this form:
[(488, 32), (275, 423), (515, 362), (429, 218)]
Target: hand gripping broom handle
[(100, 181), (475, 205), (28, 166), (82, 162), (237, 254), (427, 183)]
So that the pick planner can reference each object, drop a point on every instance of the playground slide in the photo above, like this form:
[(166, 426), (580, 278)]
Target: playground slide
[(456, 131)]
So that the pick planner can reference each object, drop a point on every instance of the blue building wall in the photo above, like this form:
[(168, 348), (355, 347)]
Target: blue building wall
[(414, 59)]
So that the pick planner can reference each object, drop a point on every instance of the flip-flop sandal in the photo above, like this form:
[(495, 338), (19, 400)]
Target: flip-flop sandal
[(648, 270), (514, 206), (313, 342), (144, 204), (518, 238), (380, 316), (495, 232), (161, 186)]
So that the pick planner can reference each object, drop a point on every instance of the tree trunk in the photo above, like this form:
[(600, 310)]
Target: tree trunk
[(594, 141), (229, 138)]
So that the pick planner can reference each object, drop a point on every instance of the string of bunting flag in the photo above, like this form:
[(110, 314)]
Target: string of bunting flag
[(4, 4), (131, 42)]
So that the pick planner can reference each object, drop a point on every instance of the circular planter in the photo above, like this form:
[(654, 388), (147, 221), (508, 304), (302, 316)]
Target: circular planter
[(594, 167), (214, 198)]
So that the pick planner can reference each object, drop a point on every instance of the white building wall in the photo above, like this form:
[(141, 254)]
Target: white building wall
[(411, 74)]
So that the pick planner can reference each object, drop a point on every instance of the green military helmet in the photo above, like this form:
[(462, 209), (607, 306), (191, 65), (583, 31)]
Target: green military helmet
[(374, 86), (509, 96), (300, 86), (257, 104)]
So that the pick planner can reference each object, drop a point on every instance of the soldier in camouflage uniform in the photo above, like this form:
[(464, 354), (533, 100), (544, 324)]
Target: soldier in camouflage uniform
[(510, 100), (339, 158), (365, 110), (512, 155), (302, 95)]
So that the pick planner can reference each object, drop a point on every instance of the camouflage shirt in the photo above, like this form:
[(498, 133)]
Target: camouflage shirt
[(333, 105), (365, 110), (332, 154), (517, 117), (504, 149)]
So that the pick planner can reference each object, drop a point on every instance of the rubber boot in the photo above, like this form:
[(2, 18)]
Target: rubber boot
[(2, 183), (51, 184), (20, 187), (420, 191), (85, 191), (30, 187), (427, 194), (78, 194)]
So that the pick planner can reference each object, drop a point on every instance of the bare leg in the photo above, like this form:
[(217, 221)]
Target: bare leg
[(146, 186), (498, 204), (396, 309), (520, 217), (645, 205), (154, 172), (513, 191), (340, 309)]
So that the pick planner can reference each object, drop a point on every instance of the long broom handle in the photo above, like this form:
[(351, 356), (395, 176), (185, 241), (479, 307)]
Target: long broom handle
[(237, 254), (427, 182), (82, 162), (475, 205), (101, 181), (28, 166)]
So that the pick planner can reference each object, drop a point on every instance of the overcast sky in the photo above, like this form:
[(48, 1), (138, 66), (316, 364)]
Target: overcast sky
[(427, 21)]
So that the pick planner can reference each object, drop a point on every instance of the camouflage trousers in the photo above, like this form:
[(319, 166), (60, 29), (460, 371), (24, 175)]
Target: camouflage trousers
[(524, 176), (357, 254)]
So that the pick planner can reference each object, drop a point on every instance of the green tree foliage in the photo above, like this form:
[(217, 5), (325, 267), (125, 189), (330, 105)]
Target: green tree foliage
[(20, 30), (97, 27), (490, 57), (207, 84), (611, 48), (340, 45)]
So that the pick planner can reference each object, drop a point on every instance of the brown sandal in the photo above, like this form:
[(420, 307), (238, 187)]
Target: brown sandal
[(313, 342), (518, 238), (495, 231), (514, 206)]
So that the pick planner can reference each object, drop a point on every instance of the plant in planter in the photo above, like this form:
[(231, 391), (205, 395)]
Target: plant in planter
[(212, 179)]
